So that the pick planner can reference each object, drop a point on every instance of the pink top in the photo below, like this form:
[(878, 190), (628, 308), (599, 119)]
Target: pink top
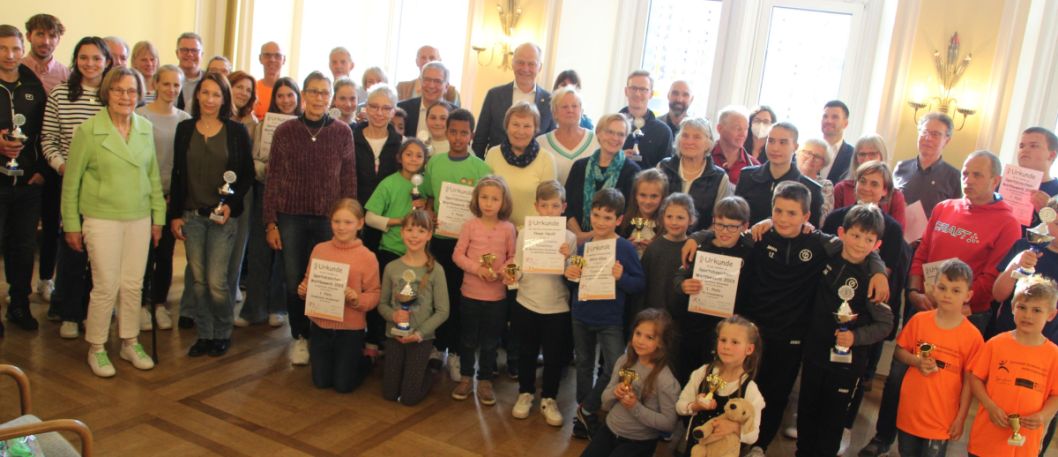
[(476, 239), (363, 278), (845, 195), (51, 73)]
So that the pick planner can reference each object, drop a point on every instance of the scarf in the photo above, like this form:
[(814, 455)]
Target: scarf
[(522, 161), (593, 175)]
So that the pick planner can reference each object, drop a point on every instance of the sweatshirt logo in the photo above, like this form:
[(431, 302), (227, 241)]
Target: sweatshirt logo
[(805, 255), (960, 233), (853, 283), (29, 97)]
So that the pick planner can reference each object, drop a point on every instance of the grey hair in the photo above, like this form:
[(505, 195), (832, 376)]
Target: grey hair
[(436, 64), (728, 111), (700, 124), (996, 165), (117, 40), (819, 143), (189, 36), (561, 92), (342, 50), (382, 89)]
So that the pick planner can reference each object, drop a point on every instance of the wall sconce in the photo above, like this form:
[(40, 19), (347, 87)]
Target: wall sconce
[(508, 21), (950, 69)]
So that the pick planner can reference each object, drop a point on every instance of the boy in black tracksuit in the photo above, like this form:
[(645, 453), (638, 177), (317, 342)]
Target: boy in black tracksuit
[(828, 382)]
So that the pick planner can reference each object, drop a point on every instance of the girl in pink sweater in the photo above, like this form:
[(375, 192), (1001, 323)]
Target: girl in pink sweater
[(336, 346)]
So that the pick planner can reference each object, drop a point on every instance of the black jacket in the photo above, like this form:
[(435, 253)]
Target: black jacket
[(839, 171), (705, 191), (498, 100), (367, 178), (756, 186), (411, 106), (575, 186), (240, 160), (656, 142), (29, 100)]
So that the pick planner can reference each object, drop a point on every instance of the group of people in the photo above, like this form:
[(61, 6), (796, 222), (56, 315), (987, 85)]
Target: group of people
[(118, 157)]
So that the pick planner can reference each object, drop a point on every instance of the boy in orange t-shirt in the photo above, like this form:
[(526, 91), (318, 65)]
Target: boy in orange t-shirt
[(1016, 373), (940, 343)]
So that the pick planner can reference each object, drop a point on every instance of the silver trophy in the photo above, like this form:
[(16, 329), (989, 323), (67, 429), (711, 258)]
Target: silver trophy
[(843, 316), (638, 123), (11, 167), (224, 191), (416, 181), (406, 297), (1038, 237)]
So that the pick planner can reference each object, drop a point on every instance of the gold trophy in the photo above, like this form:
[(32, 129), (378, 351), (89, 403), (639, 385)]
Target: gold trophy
[(579, 261), (486, 261), (512, 270), (638, 223), (1016, 438), (715, 383), (925, 350), (628, 376), (844, 316)]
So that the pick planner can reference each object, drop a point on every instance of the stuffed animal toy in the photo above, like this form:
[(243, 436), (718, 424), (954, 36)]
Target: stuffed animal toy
[(737, 410)]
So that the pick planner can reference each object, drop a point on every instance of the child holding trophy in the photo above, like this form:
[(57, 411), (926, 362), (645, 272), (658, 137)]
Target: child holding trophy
[(644, 386), (414, 303), (642, 222), (1015, 377), (486, 244)]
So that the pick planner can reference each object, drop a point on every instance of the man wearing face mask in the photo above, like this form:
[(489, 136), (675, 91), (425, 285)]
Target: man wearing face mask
[(680, 98)]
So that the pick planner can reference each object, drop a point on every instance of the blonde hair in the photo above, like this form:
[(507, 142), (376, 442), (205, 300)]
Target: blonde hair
[(498, 182), (349, 204), (1036, 288)]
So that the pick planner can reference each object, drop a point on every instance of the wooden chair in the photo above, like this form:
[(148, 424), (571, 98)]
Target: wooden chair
[(51, 442)]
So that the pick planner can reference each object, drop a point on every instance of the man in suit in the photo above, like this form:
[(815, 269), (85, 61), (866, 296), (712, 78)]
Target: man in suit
[(413, 88), (528, 59), (434, 83), (835, 120), (650, 139)]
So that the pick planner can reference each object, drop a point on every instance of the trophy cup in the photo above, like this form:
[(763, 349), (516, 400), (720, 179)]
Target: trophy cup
[(1016, 438), (578, 261), (224, 191), (638, 123), (638, 223), (512, 270), (844, 315), (1038, 237), (486, 261), (627, 376), (11, 167), (406, 297), (416, 181), (715, 383), (925, 350)]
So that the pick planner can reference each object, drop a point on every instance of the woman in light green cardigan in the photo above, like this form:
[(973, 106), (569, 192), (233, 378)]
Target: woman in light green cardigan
[(112, 182)]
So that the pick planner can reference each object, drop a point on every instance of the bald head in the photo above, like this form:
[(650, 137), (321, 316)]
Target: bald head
[(272, 59), (680, 98), (425, 55)]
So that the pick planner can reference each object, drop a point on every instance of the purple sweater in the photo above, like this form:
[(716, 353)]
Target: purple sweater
[(305, 177)]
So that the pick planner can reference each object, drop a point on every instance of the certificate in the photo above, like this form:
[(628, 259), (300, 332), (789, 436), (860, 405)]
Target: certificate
[(453, 209), (325, 298), (930, 271), (268, 129), (1017, 187), (719, 276), (916, 221), (543, 238), (596, 279)]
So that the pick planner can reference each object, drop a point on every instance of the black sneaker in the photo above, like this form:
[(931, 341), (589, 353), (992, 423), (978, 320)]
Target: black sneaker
[(186, 322), (219, 347), (590, 421), (54, 316), (580, 429), (22, 318), (876, 448), (512, 371), (200, 348)]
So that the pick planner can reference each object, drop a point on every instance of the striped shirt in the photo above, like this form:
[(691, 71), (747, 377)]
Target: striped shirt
[(61, 117)]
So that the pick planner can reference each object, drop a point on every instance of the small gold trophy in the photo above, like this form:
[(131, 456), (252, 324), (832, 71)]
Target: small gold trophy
[(925, 350), (628, 376), (638, 223), (1016, 439), (512, 270), (715, 383), (579, 261), (486, 261)]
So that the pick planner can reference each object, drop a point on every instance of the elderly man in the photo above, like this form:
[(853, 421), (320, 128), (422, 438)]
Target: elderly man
[(189, 51), (759, 181), (680, 98), (119, 50), (43, 31), (434, 83), (927, 177), (650, 139), (413, 88), (839, 153), (272, 60), (732, 126), (527, 61)]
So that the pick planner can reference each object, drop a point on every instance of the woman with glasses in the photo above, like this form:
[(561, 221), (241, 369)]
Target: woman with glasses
[(760, 122), (377, 143), (693, 172), (606, 167), (868, 148), (311, 165)]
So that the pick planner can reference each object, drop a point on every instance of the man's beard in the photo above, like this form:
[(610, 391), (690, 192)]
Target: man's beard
[(677, 108)]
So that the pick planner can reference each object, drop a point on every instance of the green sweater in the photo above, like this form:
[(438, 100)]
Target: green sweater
[(431, 308), (110, 178), (392, 200), (441, 169)]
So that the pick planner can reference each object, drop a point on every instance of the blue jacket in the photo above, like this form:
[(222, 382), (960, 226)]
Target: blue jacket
[(611, 312)]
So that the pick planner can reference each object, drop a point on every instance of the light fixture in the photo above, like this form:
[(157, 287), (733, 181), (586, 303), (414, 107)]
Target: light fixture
[(508, 21), (950, 69)]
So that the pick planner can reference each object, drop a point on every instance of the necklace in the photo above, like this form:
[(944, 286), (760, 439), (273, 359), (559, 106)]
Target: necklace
[(313, 135)]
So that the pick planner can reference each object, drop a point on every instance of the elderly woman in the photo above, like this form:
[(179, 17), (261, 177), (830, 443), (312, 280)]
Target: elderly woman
[(145, 60), (312, 164), (219, 64), (571, 78), (811, 159), (112, 182), (868, 148), (164, 118), (519, 161), (212, 151), (606, 167), (693, 172), (377, 143), (345, 98), (760, 122), (570, 141)]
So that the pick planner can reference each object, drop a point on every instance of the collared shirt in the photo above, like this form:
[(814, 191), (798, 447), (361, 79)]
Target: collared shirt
[(734, 170), (932, 185), (51, 73), (832, 154), (421, 126), (519, 96)]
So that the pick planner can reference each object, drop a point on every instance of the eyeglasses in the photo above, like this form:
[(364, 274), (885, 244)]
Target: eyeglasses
[(381, 108), (317, 92), (617, 133), (934, 134), (639, 90), (189, 50), (868, 155), (726, 228), (271, 55), (132, 92), (434, 81)]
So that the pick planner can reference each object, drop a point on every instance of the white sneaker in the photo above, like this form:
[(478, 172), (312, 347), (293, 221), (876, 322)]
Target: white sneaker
[(134, 353), (299, 352), (100, 364), (239, 297), (453, 367), (69, 330), (241, 323), (162, 316), (846, 438), (522, 406), (45, 288), (145, 319), (276, 319), (553, 416)]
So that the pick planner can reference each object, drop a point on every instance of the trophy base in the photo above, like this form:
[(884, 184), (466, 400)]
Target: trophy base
[(512, 286), (1018, 440), (218, 218), (401, 332), (11, 172), (575, 280), (1023, 273), (837, 356)]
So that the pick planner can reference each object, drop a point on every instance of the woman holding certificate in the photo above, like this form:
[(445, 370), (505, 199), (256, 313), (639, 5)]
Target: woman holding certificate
[(212, 172), (311, 165), (607, 167), (519, 161), (693, 172)]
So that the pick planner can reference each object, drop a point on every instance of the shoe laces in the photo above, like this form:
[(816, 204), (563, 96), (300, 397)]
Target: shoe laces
[(102, 359)]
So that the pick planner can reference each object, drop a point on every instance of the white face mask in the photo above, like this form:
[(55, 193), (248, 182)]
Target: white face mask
[(760, 129)]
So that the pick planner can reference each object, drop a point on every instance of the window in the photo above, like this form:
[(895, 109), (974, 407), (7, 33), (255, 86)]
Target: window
[(680, 43)]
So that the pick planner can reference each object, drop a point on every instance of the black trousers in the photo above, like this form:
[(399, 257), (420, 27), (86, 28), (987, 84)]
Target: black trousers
[(159, 274), (73, 282), (49, 222), (779, 365), (822, 405), (448, 332), (604, 443), (336, 357), (552, 333), (19, 213)]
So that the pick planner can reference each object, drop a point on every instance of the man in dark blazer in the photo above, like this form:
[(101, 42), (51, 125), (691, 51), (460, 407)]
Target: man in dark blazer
[(491, 131), (835, 120), (434, 82)]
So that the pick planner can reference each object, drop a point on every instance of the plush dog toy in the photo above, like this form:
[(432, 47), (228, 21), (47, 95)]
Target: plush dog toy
[(737, 410)]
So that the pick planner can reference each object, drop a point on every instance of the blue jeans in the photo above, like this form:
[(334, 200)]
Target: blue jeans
[(299, 235), (209, 248), (265, 291), (611, 342), (336, 357), (912, 446), (482, 325), (238, 252)]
